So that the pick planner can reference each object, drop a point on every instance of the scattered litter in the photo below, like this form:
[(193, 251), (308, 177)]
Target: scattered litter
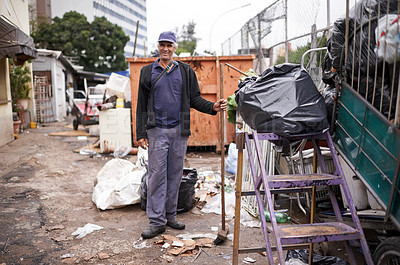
[(300, 257), (231, 161), (103, 255), (66, 260), (197, 255), (178, 244), (214, 228), (195, 236), (62, 238), (186, 247), (213, 205), (87, 152), (68, 255), (247, 220), (87, 229), (224, 256), (140, 245), (54, 227), (82, 138), (166, 245), (122, 151), (6, 245), (87, 258), (249, 260)]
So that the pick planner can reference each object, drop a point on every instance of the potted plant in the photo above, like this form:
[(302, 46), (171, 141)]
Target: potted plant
[(20, 78)]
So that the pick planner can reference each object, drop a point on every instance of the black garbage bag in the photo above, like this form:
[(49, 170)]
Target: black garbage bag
[(329, 95), (328, 76), (302, 255), (186, 198), (283, 100), (143, 191), (360, 13)]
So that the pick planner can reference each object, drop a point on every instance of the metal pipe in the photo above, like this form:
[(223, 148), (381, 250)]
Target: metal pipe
[(376, 66), (369, 44), (384, 58), (346, 37), (134, 46), (360, 51), (286, 33), (234, 68)]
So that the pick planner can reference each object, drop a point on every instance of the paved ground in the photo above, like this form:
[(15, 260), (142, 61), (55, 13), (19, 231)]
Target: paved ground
[(45, 195)]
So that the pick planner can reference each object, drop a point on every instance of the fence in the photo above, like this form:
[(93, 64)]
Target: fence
[(281, 32)]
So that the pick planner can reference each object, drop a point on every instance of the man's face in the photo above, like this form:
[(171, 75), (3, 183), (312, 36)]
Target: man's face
[(166, 50)]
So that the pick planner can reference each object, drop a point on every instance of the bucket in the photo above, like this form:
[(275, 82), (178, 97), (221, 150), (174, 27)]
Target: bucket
[(33, 125), (120, 103)]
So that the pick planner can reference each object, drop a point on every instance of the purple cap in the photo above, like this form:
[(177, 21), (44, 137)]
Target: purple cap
[(167, 36)]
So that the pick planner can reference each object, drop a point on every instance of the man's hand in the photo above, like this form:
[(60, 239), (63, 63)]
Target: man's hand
[(143, 143), (221, 104)]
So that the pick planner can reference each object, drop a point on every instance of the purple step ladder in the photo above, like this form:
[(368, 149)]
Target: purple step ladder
[(291, 235)]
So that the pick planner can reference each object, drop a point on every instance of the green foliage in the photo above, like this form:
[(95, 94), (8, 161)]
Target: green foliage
[(187, 42), (210, 52), (294, 56), (231, 109), (20, 78), (99, 45)]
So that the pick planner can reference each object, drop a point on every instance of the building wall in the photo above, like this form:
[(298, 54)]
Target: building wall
[(57, 82), (6, 120), (40, 10), (124, 13), (15, 11), (59, 7)]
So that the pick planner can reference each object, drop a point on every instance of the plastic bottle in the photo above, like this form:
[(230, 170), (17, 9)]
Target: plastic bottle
[(120, 103), (281, 217)]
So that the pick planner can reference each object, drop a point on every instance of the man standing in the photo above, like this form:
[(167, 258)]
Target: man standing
[(167, 91)]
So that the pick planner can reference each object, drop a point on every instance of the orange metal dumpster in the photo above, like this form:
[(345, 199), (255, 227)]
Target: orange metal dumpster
[(204, 127)]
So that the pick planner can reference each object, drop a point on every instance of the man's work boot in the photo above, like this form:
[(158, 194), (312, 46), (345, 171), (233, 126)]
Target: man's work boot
[(175, 224), (152, 231)]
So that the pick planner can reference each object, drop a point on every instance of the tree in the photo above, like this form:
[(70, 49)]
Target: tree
[(99, 46), (187, 42)]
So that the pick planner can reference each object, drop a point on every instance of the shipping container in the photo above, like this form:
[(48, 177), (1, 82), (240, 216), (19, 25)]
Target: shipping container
[(205, 128)]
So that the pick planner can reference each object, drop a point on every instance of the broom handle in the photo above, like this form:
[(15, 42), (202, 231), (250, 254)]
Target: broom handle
[(222, 141)]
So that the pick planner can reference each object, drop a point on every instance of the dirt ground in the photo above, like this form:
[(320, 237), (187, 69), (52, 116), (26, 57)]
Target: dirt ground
[(45, 195)]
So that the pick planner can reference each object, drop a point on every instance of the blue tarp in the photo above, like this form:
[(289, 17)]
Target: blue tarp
[(124, 73)]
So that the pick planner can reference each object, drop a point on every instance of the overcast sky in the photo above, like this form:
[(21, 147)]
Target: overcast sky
[(216, 20)]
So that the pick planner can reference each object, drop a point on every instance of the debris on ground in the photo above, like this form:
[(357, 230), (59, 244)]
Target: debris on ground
[(54, 227), (87, 229), (118, 183), (140, 245), (187, 246), (300, 257), (103, 255), (208, 191), (248, 260)]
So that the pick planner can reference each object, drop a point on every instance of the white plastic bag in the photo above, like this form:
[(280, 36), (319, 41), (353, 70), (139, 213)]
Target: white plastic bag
[(388, 38), (87, 229), (118, 182), (231, 161)]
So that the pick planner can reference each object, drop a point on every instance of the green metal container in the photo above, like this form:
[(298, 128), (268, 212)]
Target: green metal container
[(371, 145)]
